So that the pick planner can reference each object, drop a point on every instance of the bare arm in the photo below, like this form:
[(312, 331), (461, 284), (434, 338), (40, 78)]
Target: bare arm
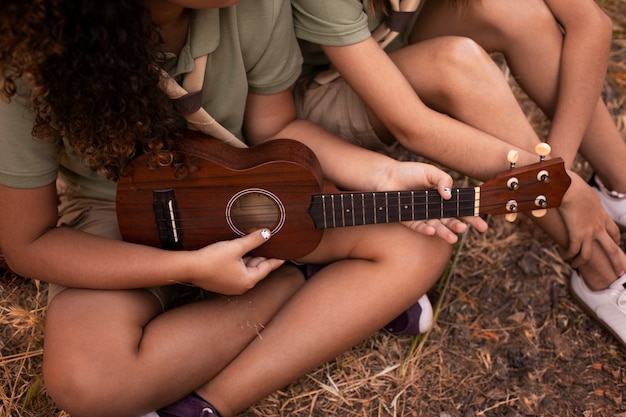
[(582, 71), (346, 165), (35, 248), (349, 166), (376, 78)]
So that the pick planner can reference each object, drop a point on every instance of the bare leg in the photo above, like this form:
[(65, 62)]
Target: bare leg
[(473, 91), (534, 58), (111, 353), (487, 103), (337, 308), (491, 109)]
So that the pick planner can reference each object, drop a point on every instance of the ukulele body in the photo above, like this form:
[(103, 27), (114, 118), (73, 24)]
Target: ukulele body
[(227, 193)]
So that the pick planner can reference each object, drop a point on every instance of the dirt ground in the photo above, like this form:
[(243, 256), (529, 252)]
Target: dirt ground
[(508, 341)]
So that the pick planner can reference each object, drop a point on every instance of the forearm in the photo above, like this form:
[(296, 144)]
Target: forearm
[(346, 165), (34, 247), (76, 259)]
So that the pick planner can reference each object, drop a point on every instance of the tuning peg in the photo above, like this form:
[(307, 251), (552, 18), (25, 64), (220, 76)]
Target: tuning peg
[(543, 149), (539, 213), (510, 217), (512, 183), (541, 201), (512, 157)]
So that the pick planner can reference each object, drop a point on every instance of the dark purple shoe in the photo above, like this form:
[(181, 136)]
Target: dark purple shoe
[(190, 406), (415, 320)]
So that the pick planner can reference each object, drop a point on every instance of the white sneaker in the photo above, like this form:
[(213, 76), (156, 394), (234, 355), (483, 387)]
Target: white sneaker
[(614, 203), (607, 306)]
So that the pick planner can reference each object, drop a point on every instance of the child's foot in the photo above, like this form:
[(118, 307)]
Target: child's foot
[(607, 306), (613, 202)]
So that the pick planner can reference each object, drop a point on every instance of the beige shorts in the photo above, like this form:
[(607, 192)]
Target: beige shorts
[(97, 217), (338, 109)]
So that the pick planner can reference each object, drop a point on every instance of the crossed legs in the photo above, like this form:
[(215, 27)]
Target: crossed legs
[(114, 353)]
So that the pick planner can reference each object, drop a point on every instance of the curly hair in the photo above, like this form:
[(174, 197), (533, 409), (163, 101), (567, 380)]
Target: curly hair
[(92, 68)]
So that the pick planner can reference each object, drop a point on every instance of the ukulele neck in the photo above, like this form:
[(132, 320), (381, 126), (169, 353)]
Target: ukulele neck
[(354, 209)]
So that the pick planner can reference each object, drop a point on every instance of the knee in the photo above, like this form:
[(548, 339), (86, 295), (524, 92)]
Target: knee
[(422, 255), (80, 391), (70, 390), (468, 67)]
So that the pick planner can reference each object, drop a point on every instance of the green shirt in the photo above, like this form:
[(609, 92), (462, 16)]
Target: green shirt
[(333, 23), (251, 48)]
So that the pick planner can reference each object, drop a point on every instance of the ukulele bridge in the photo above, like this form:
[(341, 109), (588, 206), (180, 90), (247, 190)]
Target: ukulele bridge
[(165, 209)]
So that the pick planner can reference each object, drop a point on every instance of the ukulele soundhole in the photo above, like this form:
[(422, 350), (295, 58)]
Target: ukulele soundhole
[(253, 209)]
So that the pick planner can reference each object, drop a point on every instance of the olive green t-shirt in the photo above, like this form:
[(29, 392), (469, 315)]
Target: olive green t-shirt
[(251, 48), (334, 23)]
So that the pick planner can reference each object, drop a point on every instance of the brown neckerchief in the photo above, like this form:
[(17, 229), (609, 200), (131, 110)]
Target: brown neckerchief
[(187, 100)]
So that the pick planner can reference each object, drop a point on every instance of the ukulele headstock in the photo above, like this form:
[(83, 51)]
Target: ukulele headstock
[(533, 188)]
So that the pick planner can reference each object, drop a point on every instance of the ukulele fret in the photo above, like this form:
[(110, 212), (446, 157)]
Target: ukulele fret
[(466, 200), (352, 206), (332, 206), (325, 224), (405, 206), (434, 205), (363, 207), (441, 208), (386, 207), (394, 207), (343, 212), (399, 207)]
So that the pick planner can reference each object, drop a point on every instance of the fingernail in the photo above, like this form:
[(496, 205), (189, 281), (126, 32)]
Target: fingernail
[(266, 234), (447, 191)]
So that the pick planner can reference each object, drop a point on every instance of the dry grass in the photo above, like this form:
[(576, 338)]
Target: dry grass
[(508, 341)]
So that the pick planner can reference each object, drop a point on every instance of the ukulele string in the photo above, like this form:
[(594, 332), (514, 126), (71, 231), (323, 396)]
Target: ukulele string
[(435, 204)]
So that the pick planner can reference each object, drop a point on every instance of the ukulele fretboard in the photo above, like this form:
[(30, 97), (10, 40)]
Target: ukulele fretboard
[(354, 209)]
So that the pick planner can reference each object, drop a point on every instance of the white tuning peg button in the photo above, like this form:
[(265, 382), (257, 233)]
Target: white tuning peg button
[(543, 149), (512, 157), (539, 213), (510, 217)]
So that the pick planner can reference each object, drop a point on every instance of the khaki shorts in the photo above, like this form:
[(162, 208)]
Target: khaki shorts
[(338, 109), (97, 217)]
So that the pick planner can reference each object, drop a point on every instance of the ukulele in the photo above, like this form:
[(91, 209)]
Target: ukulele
[(230, 192)]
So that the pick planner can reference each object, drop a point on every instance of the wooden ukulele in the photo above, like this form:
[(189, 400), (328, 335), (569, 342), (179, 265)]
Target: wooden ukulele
[(278, 185)]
